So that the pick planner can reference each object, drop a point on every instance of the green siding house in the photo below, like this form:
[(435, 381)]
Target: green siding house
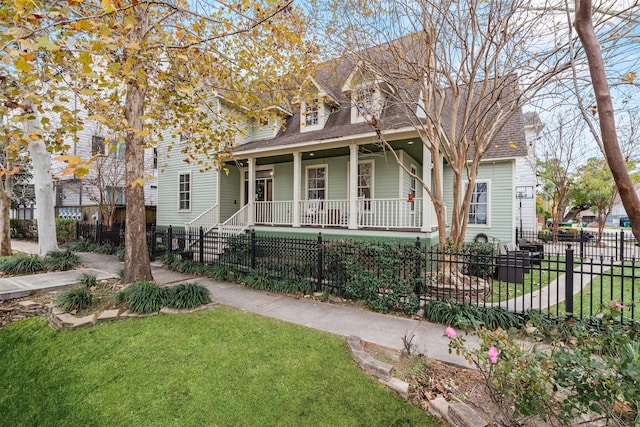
[(321, 168)]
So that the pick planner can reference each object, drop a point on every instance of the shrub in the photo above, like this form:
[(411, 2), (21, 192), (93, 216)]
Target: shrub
[(65, 230), (75, 299), (22, 228), (544, 235), (22, 264), (479, 259), (144, 297), (187, 295), (61, 260)]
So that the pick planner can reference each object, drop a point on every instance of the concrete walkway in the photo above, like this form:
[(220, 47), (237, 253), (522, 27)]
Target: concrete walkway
[(386, 330)]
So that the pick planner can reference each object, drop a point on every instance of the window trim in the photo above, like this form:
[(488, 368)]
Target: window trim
[(326, 182), (319, 113), (180, 192), (95, 139), (376, 103), (487, 224), (413, 186)]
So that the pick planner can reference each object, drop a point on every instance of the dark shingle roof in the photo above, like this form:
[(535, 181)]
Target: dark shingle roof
[(332, 75)]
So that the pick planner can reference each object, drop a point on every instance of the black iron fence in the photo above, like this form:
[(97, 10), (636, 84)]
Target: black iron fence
[(619, 245), (560, 279)]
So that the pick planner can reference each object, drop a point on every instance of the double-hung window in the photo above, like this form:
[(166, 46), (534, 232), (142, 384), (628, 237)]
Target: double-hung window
[(413, 184), (316, 183), (364, 102), (97, 145), (479, 205), (311, 113), (184, 192)]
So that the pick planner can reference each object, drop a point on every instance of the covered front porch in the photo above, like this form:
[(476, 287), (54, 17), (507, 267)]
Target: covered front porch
[(355, 186)]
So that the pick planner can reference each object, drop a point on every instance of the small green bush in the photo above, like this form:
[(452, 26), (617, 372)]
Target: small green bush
[(61, 260), (22, 264), (187, 295), (22, 228), (65, 230), (75, 299), (544, 235), (144, 297)]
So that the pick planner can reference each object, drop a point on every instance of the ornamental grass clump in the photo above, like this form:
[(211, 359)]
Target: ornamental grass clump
[(61, 260), (187, 295), (144, 297), (21, 264), (75, 299)]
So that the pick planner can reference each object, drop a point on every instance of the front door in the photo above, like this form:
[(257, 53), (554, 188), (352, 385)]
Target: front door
[(263, 196)]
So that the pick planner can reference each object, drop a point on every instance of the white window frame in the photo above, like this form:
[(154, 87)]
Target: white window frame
[(368, 207), (487, 223), (413, 186), (314, 109), (374, 107), (180, 192), (326, 182)]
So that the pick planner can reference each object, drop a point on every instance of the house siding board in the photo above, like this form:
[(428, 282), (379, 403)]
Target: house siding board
[(501, 220), (203, 189), (230, 199), (283, 182)]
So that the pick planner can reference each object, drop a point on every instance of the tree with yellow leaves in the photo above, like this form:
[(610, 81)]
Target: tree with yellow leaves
[(147, 70)]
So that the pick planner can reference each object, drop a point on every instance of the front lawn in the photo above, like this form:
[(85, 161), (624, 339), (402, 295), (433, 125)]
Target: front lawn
[(218, 367)]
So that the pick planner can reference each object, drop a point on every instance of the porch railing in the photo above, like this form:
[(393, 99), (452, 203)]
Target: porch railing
[(237, 223), (274, 213), (324, 212), (390, 213), (207, 220)]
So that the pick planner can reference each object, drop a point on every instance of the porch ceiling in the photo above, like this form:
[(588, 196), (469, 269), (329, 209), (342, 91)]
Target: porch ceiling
[(414, 149)]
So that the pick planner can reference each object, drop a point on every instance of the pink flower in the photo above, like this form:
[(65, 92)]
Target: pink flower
[(493, 354), (620, 306), (451, 333)]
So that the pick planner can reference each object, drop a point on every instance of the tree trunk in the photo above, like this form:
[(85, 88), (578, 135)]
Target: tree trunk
[(5, 224), (617, 163), (137, 264), (43, 186)]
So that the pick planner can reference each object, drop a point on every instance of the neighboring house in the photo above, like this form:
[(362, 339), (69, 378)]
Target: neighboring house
[(321, 168), (81, 198), (526, 180)]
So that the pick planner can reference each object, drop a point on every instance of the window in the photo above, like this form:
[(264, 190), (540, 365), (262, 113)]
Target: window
[(479, 206), (184, 192), (116, 151), (412, 186), (365, 183), (97, 145), (316, 183), (116, 195), (155, 158), (363, 100), (311, 113), (185, 135)]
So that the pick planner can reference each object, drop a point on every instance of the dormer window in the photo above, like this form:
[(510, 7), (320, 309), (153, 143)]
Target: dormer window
[(311, 113), (363, 100)]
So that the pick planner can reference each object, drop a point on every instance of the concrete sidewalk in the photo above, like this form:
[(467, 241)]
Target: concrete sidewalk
[(386, 330)]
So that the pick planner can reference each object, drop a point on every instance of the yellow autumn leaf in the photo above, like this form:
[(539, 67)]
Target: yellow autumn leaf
[(81, 171), (98, 117), (19, 4), (512, 145), (22, 65), (72, 161), (629, 77), (68, 171), (139, 181), (143, 133)]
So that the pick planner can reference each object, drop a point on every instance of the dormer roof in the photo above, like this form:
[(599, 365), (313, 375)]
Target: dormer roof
[(323, 92)]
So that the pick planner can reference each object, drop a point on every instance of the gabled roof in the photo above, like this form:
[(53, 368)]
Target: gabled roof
[(335, 75)]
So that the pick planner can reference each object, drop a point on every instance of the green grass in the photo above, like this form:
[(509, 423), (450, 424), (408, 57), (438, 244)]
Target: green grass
[(220, 367), (537, 278), (602, 289)]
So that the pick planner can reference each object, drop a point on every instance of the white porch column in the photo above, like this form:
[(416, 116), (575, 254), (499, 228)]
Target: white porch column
[(353, 186), (428, 212), (251, 197), (297, 181)]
